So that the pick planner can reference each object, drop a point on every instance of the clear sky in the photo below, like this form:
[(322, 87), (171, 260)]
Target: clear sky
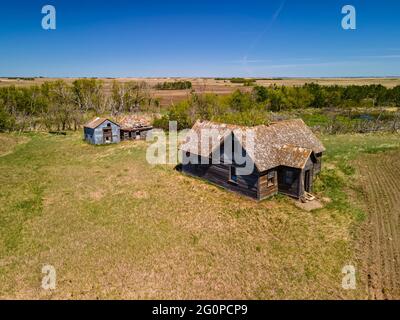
[(200, 38)]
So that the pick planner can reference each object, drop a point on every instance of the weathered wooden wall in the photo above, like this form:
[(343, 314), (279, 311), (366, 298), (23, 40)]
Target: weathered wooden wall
[(219, 174), (95, 136), (255, 185), (98, 132), (310, 165), (265, 191), (131, 134), (88, 135), (318, 164)]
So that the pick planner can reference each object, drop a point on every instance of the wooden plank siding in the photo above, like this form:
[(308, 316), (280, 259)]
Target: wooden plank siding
[(219, 174), (257, 185), (264, 189), (308, 167), (138, 134), (96, 135), (318, 164)]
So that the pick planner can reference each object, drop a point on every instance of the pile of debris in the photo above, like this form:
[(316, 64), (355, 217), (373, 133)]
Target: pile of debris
[(134, 121), (135, 127), (307, 197), (309, 202)]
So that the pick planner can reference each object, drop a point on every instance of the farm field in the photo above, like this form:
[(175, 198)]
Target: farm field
[(210, 85), (380, 234), (115, 227)]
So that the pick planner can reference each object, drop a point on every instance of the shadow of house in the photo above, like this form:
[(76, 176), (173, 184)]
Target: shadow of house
[(283, 157), (102, 131)]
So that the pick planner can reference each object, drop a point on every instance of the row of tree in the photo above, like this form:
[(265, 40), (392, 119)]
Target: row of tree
[(61, 106), (316, 96), (253, 108), (176, 85)]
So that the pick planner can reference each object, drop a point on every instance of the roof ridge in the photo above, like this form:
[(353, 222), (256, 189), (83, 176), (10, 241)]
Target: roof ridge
[(199, 121)]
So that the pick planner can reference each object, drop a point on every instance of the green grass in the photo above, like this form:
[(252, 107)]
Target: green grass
[(116, 227), (338, 179)]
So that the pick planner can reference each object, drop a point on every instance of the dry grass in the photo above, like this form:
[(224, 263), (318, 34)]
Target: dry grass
[(115, 227), (9, 142)]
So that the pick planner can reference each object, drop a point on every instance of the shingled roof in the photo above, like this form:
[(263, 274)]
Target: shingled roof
[(134, 121), (288, 143), (96, 122)]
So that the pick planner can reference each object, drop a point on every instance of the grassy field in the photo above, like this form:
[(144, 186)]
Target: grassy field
[(115, 227)]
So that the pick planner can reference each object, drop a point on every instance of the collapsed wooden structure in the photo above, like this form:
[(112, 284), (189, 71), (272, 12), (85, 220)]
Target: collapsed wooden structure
[(134, 128), (137, 132)]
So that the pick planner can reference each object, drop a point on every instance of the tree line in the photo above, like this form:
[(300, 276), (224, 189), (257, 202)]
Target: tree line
[(60, 106), (176, 85), (313, 95), (256, 107)]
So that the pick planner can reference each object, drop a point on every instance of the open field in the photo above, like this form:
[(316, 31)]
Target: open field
[(210, 85), (115, 227), (380, 235)]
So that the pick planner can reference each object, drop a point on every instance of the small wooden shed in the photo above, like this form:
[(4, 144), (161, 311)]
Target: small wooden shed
[(102, 131), (286, 157)]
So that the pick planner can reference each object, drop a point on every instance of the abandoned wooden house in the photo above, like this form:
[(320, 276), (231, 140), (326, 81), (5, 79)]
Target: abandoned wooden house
[(286, 156), (102, 131)]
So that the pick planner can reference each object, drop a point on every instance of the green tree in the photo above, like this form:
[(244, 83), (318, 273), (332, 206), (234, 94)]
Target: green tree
[(260, 93), (88, 95)]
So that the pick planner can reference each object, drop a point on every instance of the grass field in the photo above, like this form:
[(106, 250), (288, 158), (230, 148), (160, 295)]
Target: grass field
[(115, 227)]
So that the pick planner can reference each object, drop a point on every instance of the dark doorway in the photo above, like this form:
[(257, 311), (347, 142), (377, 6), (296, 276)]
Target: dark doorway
[(307, 181), (107, 135)]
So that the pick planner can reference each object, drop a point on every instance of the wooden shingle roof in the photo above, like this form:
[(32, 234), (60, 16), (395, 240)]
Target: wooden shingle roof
[(98, 121), (289, 143)]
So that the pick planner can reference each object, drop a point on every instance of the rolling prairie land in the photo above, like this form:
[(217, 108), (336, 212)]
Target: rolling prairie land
[(114, 226)]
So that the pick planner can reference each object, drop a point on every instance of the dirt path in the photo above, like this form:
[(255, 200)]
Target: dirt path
[(379, 240)]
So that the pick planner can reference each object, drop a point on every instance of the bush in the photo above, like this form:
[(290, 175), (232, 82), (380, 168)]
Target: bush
[(7, 122), (179, 113), (246, 82), (177, 85)]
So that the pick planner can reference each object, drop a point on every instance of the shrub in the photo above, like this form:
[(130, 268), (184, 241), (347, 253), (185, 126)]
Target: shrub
[(177, 85)]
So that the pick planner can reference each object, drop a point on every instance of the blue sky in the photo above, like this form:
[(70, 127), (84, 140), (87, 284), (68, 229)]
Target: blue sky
[(193, 38)]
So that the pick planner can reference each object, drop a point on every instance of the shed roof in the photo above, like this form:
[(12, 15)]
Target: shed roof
[(131, 122), (289, 143), (98, 121), (292, 156)]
